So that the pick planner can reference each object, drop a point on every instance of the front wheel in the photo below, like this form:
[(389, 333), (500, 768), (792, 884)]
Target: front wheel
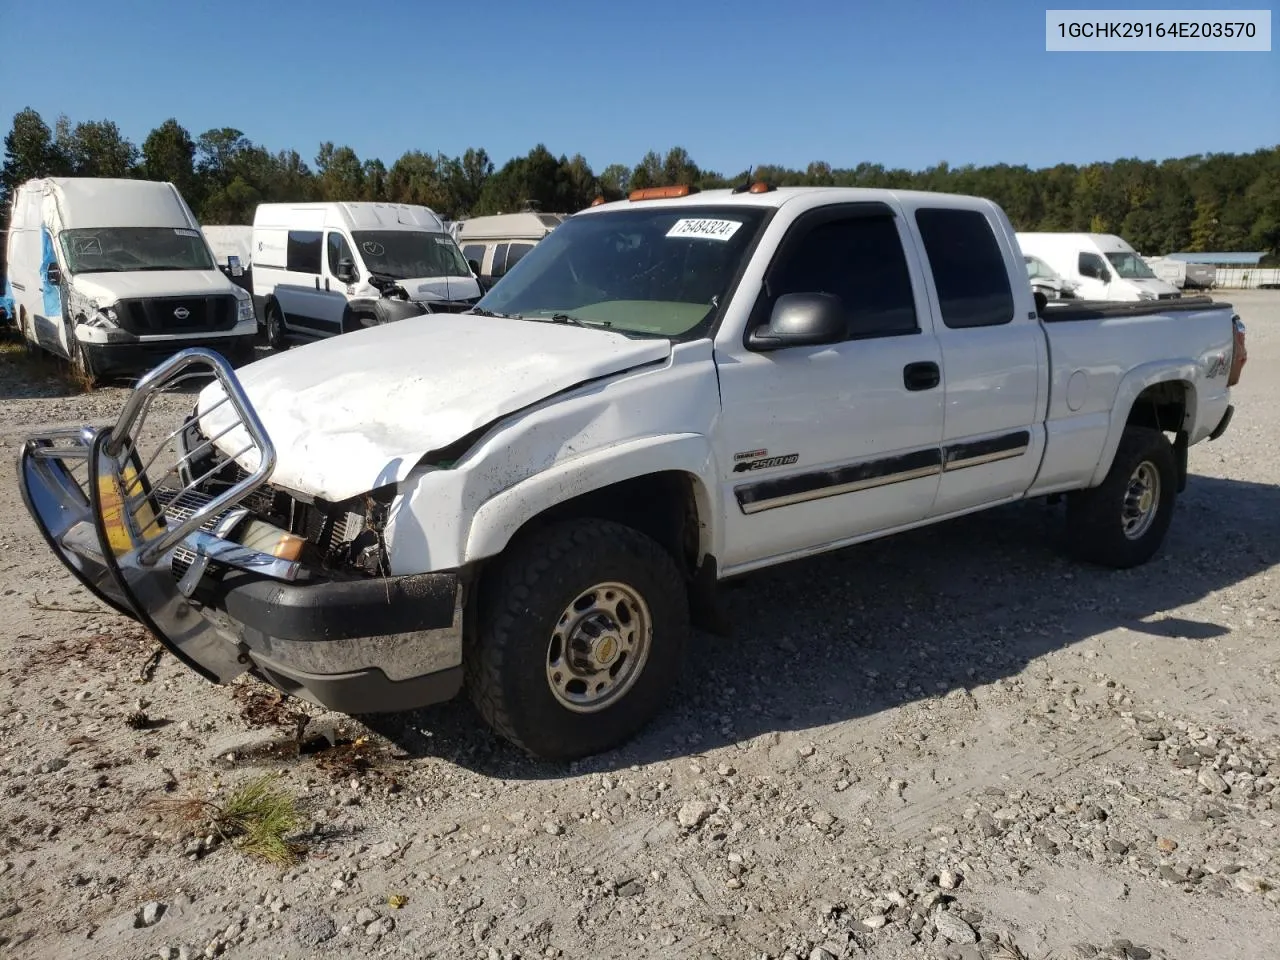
[(276, 338), (581, 634), (1122, 522)]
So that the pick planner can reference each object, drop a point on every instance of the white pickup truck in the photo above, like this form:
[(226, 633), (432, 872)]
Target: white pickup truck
[(537, 499)]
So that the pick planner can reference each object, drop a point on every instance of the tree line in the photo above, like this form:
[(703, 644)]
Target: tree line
[(1217, 201)]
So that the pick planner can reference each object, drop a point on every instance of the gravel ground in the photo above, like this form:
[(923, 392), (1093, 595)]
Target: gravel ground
[(951, 744)]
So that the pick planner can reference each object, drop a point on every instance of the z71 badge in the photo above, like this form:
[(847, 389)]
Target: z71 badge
[(766, 463)]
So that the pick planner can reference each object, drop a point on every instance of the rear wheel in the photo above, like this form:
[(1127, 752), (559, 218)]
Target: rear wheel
[(582, 629), (276, 338), (1122, 522)]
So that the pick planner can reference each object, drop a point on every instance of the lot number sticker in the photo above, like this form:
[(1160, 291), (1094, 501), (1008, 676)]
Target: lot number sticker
[(705, 229)]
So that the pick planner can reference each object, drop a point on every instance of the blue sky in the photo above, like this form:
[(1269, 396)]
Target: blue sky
[(903, 83)]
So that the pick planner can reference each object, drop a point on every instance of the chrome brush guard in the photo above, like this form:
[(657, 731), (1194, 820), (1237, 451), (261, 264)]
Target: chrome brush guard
[(118, 511)]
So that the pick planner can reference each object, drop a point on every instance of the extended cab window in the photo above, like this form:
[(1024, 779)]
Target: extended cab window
[(861, 261), (303, 251), (338, 251), (969, 272)]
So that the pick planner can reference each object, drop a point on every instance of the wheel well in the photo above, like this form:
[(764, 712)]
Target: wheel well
[(661, 505), (1162, 406)]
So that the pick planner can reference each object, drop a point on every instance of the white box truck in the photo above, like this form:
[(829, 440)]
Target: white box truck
[(321, 269), (115, 276), (1101, 266)]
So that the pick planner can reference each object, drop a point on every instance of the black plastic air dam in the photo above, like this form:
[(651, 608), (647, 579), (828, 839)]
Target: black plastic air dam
[(339, 609)]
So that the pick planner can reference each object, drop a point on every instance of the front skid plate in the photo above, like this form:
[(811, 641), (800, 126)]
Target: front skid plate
[(151, 590)]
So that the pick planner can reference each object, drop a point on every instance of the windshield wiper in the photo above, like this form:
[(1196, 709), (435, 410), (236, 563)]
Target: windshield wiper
[(566, 318)]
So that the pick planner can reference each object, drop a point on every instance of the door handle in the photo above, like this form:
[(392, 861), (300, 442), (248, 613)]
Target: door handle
[(921, 376)]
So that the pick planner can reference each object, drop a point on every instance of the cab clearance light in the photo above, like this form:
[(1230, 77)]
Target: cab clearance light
[(597, 201), (662, 193), (759, 186)]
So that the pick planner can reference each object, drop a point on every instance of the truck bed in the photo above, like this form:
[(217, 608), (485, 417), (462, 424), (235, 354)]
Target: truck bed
[(1103, 355)]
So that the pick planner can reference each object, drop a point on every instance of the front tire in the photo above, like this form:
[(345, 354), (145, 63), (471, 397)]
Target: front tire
[(1122, 522), (581, 636), (276, 338)]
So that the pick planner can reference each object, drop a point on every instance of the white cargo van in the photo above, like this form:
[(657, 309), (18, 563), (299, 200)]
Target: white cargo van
[(493, 245), (321, 269), (1101, 266), (115, 276)]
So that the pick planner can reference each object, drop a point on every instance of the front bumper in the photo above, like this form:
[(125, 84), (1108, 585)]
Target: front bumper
[(138, 356), (154, 548)]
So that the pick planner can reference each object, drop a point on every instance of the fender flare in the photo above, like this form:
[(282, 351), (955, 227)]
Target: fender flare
[(1131, 386), (498, 518)]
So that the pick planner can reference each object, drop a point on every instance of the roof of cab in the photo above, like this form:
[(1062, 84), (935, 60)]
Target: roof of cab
[(509, 226), (779, 196), (104, 202), (354, 215)]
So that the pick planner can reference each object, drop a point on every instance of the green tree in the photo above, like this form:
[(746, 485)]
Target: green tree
[(1204, 228), (169, 154), (96, 148), (340, 171), (29, 152)]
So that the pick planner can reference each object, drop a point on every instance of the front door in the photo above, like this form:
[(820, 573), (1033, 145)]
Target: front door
[(331, 305), (828, 443), (1095, 277)]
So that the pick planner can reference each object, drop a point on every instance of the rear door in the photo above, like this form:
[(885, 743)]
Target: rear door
[(828, 443), (994, 355)]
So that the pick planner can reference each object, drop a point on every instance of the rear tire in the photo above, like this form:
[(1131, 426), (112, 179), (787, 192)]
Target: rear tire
[(276, 337), (581, 636), (1122, 522)]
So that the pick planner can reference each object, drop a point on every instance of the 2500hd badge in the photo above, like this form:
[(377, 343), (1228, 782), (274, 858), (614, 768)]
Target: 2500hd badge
[(767, 462)]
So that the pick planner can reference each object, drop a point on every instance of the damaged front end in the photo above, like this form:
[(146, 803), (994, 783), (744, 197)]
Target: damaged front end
[(232, 574)]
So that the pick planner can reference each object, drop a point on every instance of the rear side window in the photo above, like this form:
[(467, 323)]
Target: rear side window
[(303, 251), (968, 270), (474, 251), (515, 252), (499, 261)]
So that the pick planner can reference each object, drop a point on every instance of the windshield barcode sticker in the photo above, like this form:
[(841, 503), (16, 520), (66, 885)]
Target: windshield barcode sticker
[(187, 233), (705, 229)]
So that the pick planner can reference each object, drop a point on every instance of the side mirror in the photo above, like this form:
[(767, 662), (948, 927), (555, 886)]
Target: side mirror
[(1042, 301), (475, 266), (347, 271), (53, 275), (801, 320)]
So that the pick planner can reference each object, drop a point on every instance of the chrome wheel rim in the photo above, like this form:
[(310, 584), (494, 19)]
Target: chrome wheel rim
[(1141, 501), (598, 647)]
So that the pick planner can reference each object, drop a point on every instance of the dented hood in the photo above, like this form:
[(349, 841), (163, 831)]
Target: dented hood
[(357, 411)]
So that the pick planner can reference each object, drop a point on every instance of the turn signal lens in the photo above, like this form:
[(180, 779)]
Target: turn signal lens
[(270, 539)]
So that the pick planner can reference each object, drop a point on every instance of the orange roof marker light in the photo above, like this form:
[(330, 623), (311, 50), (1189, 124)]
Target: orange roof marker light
[(760, 187), (662, 193), (597, 201)]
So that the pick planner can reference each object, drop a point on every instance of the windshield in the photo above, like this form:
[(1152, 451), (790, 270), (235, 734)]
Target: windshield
[(125, 249), (410, 254), (661, 270), (1038, 268), (1131, 266)]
